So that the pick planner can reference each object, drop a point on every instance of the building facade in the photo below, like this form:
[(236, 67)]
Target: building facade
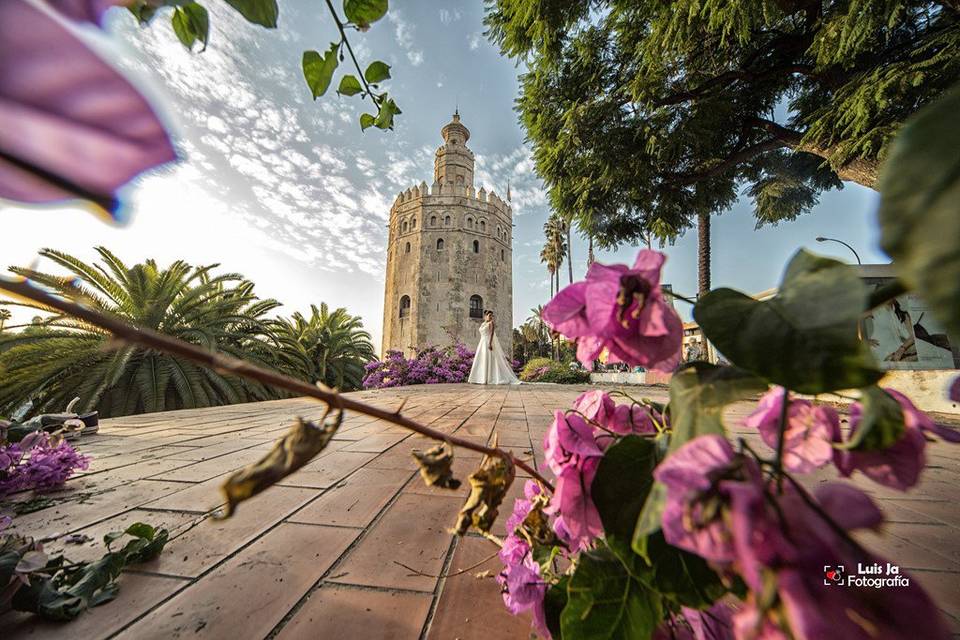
[(449, 256)]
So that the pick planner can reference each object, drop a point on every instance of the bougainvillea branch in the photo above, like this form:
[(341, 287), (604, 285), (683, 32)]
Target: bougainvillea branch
[(126, 332)]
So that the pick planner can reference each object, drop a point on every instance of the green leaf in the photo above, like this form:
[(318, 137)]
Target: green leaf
[(366, 120), (604, 601), (554, 601), (919, 210), (363, 13), (623, 481), (377, 72), (141, 530), (698, 394), (262, 12), (191, 24), (142, 11), (805, 338), (388, 109), (649, 519), (881, 421), (683, 577), (349, 86), (318, 70)]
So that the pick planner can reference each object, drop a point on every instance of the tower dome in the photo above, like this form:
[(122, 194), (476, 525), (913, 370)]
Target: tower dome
[(453, 164), (455, 128)]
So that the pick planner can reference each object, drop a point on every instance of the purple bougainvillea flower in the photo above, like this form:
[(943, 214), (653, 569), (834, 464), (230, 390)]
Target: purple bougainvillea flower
[(692, 514), (899, 465), (522, 586), (811, 429), (568, 441), (716, 623), (86, 10), (750, 624), (71, 126), (954, 392), (573, 503), (595, 405), (629, 419), (622, 310)]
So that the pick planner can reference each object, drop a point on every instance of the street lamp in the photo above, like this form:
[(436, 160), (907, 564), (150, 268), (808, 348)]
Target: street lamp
[(822, 239)]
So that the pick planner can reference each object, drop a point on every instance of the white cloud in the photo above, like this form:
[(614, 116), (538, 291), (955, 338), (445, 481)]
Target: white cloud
[(447, 16), (474, 40)]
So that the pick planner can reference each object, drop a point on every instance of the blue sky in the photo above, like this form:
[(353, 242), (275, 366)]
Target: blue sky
[(289, 192)]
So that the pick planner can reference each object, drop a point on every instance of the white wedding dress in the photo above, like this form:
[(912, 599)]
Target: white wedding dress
[(490, 367)]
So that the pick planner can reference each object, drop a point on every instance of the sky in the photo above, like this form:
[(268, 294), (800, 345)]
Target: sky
[(289, 192)]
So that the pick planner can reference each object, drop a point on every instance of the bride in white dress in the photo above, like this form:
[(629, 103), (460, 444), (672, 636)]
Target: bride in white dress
[(490, 365)]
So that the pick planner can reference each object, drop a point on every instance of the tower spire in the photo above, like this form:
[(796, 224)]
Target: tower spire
[(508, 190)]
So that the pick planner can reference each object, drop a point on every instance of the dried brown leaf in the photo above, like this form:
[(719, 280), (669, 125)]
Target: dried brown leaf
[(296, 448), (436, 466), (488, 485)]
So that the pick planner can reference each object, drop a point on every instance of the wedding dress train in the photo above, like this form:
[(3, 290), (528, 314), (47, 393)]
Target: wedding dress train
[(491, 366)]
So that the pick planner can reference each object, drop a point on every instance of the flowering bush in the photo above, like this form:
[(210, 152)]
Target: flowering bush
[(433, 365), (39, 462)]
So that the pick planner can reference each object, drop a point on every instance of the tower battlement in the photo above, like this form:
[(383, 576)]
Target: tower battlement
[(449, 255)]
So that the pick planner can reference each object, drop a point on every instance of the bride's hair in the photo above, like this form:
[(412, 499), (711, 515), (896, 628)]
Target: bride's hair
[(487, 313)]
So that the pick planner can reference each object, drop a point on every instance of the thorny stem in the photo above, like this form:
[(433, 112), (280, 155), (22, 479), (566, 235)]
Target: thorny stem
[(234, 366), (679, 297), (343, 38), (781, 436), (826, 517)]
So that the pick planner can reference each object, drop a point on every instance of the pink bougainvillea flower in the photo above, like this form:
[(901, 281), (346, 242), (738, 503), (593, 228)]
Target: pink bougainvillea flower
[(750, 624), (568, 441), (715, 623), (954, 392), (789, 545), (636, 419), (523, 588), (595, 405), (573, 503), (86, 10), (693, 512), (899, 465), (71, 126), (622, 310), (811, 429)]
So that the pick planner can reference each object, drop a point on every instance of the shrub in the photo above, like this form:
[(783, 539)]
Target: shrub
[(433, 365), (527, 373), (564, 375)]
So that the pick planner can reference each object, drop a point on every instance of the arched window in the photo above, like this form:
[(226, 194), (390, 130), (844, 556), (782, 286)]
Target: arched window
[(501, 255), (460, 180), (446, 221), (476, 246), (433, 221), (469, 222), (439, 244), (483, 226), (405, 306), (500, 232), (407, 248), (476, 307), (413, 223)]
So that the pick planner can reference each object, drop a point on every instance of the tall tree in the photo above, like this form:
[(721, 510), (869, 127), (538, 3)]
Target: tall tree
[(4, 317), (649, 116)]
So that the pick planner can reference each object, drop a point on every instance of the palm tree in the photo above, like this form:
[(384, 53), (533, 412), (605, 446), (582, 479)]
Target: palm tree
[(703, 254), (336, 345), (62, 357), (536, 319), (556, 246), (4, 316)]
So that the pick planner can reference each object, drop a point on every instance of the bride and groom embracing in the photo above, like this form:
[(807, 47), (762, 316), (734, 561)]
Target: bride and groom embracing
[(490, 364)]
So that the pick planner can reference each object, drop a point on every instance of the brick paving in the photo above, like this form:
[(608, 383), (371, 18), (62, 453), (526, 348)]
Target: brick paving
[(314, 557)]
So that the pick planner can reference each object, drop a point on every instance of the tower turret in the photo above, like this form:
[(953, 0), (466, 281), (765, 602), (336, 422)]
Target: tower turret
[(454, 160)]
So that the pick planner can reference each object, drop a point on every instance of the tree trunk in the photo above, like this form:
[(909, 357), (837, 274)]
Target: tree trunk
[(589, 250), (703, 253), (569, 253)]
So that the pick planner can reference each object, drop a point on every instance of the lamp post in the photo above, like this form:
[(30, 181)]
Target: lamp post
[(822, 239)]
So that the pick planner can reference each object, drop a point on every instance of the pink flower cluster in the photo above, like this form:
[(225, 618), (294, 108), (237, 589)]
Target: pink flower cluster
[(813, 433), (621, 310), (523, 588), (720, 507), (37, 462)]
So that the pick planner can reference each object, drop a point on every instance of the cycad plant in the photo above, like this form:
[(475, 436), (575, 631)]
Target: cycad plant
[(62, 357), (335, 343)]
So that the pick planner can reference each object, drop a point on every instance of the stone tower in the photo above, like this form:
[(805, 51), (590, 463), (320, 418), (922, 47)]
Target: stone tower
[(449, 256)]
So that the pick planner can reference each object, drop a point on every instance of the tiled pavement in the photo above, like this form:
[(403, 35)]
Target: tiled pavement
[(320, 555)]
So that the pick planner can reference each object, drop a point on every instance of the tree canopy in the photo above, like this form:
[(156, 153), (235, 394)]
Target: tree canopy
[(644, 115)]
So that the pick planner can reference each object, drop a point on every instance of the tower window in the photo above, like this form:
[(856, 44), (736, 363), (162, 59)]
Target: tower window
[(403, 227), (433, 221), (460, 180), (439, 244), (405, 307), (483, 226), (446, 221), (501, 256), (476, 307), (407, 248), (476, 246), (413, 223), (469, 222)]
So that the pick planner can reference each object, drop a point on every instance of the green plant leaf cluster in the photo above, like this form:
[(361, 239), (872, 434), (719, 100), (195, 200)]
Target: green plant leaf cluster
[(58, 357), (60, 591), (191, 24)]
